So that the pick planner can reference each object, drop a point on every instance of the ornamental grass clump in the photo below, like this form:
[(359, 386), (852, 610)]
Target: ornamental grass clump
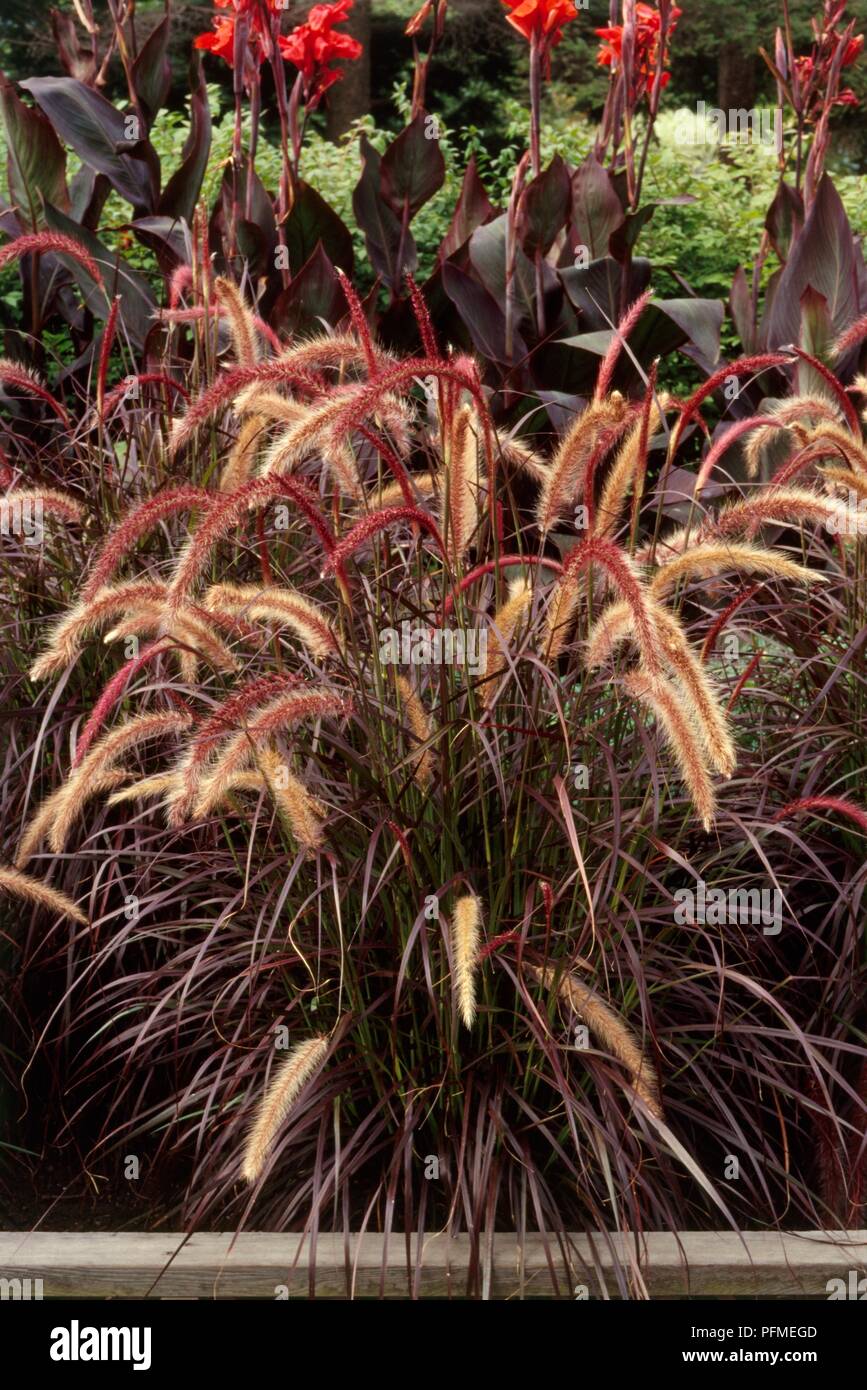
[(376, 704)]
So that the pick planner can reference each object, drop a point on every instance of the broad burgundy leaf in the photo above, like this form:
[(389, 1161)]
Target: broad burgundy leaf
[(181, 193), (151, 71), (823, 259), (413, 168), (312, 223), (544, 208), (35, 158), (105, 138)]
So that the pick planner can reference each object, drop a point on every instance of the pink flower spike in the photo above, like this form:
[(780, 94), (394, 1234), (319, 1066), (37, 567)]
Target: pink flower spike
[(373, 523), (835, 387), (744, 366), (119, 392), (136, 524), (112, 693), (42, 242), (618, 342), (105, 354), (16, 375), (841, 805)]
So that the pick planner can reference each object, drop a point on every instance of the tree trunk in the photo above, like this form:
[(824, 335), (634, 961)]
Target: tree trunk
[(350, 99), (736, 78)]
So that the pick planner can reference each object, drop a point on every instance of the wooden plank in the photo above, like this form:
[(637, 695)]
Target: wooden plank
[(264, 1265)]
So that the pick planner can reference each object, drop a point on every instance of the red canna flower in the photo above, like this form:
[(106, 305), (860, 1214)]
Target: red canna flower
[(646, 58), (221, 42), (313, 45), (540, 19), (814, 70)]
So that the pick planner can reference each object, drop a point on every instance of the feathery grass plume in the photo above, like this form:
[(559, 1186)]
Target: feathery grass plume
[(358, 319), (371, 397), (561, 616), (14, 374), (290, 1078), (852, 449), (373, 523), (775, 505), (137, 523), (840, 805), (422, 317), (87, 779), (851, 336), (241, 462), (181, 279), (190, 628), (668, 705), (62, 245), (466, 939), (614, 625), (113, 692), (105, 348), (309, 435), (461, 484), (196, 312), (788, 414), (622, 575), (709, 560), (224, 390), (420, 728), (302, 811), (392, 494), (264, 401), (47, 499), (42, 823), (618, 342), (144, 787), (835, 388), (224, 721), (563, 483), (845, 478), (505, 622), (279, 605), (71, 630), (524, 459), (724, 441), (744, 366), (137, 379), (609, 1029), (226, 513), (33, 891), (621, 476), (280, 715), (241, 325)]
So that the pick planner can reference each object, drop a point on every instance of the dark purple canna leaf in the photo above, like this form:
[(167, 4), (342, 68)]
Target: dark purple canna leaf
[(314, 297), (152, 72), (106, 139), (312, 223), (391, 251), (35, 160), (412, 168), (596, 209), (824, 259), (544, 208), (137, 307), (181, 193), (473, 209)]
